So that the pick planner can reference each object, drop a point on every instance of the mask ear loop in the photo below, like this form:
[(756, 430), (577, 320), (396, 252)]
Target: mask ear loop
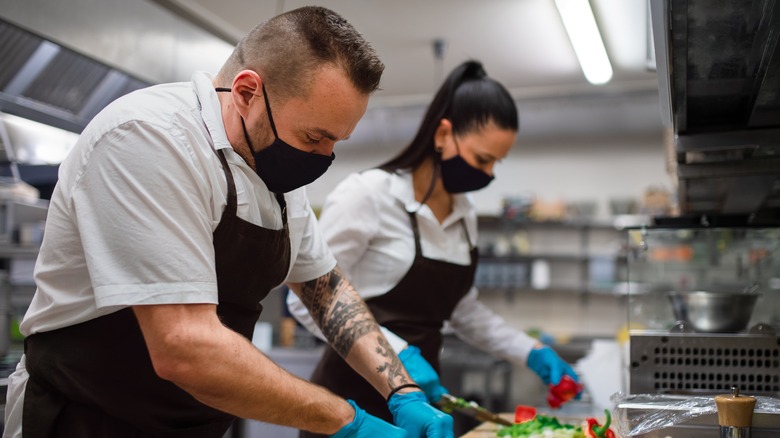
[(268, 108), (243, 124), (436, 173)]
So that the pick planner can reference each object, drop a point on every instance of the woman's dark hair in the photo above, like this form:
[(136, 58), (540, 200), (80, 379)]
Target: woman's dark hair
[(469, 99)]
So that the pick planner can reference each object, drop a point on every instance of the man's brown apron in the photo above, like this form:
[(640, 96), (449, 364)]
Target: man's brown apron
[(415, 309), (95, 379)]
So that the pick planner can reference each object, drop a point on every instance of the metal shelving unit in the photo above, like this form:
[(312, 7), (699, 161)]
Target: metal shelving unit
[(578, 256)]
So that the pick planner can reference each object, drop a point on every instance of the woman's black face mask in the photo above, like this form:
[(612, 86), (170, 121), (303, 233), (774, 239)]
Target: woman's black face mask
[(459, 176), (282, 167)]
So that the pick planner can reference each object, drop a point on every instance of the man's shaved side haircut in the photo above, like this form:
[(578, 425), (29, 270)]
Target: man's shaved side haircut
[(287, 49)]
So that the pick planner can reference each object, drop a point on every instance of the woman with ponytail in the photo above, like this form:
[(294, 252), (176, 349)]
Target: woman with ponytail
[(405, 233)]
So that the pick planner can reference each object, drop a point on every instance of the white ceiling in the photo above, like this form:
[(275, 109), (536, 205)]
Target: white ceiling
[(522, 43)]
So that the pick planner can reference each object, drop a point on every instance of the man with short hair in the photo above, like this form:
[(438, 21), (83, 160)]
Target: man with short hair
[(178, 210)]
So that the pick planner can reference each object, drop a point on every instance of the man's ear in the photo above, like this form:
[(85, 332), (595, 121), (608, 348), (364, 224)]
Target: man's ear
[(246, 85)]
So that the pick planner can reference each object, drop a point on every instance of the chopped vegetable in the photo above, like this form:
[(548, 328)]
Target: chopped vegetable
[(594, 430), (524, 413), (541, 426)]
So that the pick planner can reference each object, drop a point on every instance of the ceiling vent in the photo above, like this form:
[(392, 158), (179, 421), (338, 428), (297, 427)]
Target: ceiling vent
[(48, 83)]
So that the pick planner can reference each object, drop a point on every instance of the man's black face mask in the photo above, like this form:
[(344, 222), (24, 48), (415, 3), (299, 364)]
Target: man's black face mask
[(282, 167)]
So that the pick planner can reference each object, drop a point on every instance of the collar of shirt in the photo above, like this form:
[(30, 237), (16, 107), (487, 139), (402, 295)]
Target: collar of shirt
[(402, 189), (210, 109)]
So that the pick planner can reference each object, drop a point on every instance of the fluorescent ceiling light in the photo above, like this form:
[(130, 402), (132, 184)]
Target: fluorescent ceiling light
[(584, 34)]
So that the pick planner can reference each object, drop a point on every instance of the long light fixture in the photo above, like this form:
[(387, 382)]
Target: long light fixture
[(584, 34)]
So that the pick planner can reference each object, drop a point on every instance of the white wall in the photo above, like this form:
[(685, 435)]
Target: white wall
[(593, 170)]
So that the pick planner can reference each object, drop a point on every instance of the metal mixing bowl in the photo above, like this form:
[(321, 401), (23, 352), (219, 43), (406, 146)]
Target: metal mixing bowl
[(714, 312)]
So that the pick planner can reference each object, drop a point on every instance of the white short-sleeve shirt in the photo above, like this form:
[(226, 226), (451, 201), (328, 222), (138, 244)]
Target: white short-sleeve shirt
[(132, 216)]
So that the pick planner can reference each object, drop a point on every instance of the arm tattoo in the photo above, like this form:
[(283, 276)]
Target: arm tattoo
[(395, 371), (337, 309)]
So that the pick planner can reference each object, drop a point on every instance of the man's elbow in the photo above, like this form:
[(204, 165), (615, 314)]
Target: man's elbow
[(176, 359)]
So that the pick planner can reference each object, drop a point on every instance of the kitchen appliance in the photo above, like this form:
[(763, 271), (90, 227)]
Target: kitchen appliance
[(717, 63), (704, 317)]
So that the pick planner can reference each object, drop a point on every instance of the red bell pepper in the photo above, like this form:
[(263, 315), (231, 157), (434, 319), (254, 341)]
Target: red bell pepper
[(594, 430), (564, 391)]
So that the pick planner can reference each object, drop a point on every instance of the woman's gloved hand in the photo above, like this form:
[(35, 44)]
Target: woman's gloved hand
[(365, 425), (546, 363), (422, 373), (413, 413)]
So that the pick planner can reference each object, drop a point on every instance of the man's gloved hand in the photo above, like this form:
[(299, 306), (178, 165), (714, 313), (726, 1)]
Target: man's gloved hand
[(414, 414), (368, 426), (549, 366), (422, 373)]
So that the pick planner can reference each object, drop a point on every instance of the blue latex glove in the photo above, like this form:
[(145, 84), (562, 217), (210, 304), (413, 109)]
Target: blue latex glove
[(366, 425), (546, 363), (414, 414), (422, 373)]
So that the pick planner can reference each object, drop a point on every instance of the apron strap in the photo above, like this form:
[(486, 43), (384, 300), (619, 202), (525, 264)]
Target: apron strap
[(466, 231), (282, 206), (416, 231)]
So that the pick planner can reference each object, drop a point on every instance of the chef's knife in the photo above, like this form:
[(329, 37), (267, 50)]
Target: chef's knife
[(449, 403)]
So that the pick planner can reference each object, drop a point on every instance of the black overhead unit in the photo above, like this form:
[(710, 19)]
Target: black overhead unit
[(718, 67)]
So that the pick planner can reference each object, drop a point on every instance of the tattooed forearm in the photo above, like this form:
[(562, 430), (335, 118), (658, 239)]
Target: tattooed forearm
[(396, 374), (338, 310)]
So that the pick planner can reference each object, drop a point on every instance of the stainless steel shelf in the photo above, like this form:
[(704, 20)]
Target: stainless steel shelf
[(18, 251), (510, 258)]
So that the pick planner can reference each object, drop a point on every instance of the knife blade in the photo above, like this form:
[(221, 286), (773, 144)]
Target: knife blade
[(450, 403)]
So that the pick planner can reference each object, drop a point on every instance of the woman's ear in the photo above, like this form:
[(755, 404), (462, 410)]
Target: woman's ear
[(442, 133)]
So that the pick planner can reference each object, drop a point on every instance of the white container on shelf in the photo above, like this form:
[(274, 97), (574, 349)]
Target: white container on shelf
[(540, 274)]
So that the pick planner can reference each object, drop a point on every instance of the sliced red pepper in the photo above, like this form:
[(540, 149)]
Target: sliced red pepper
[(594, 430), (524, 413)]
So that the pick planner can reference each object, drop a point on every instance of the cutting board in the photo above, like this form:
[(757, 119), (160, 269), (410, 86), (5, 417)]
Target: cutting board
[(488, 430)]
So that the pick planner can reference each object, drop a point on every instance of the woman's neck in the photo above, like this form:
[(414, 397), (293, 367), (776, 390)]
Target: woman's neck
[(439, 201)]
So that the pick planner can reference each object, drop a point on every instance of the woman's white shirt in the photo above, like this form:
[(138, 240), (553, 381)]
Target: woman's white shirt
[(366, 223)]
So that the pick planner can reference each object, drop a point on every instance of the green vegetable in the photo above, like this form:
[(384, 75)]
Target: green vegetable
[(454, 403), (541, 426)]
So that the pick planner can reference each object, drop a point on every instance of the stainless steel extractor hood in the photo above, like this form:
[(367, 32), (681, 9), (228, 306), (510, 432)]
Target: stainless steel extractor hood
[(48, 83), (718, 65)]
